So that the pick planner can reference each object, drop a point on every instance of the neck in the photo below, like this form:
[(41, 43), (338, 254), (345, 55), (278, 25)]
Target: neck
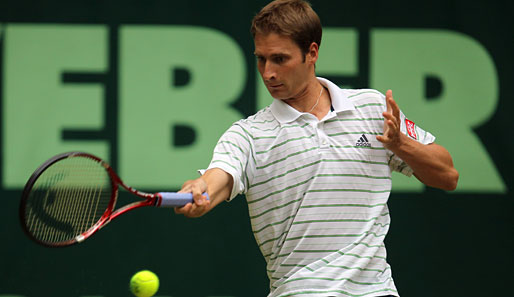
[(315, 100), (306, 99)]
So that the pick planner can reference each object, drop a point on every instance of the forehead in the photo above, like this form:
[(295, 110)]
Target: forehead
[(273, 43)]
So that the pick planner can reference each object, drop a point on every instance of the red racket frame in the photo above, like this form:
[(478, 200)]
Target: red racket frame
[(151, 199)]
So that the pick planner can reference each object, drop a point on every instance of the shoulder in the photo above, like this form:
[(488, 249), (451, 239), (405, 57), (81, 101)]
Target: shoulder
[(366, 99), (261, 121), (357, 97), (364, 95)]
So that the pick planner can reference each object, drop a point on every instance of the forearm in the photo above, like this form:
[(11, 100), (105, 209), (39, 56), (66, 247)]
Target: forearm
[(219, 185), (432, 164)]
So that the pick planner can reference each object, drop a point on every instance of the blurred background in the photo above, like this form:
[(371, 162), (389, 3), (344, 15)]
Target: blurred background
[(151, 85)]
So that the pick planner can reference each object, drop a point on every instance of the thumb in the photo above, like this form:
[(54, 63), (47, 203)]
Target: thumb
[(198, 190)]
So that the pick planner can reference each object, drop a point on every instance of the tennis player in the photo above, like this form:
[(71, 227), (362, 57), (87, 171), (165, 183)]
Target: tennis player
[(315, 166)]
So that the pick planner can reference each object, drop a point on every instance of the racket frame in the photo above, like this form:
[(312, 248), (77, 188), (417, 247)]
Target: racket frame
[(150, 199)]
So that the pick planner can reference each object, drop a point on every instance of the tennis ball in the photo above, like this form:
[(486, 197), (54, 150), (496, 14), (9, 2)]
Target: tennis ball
[(144, 283)]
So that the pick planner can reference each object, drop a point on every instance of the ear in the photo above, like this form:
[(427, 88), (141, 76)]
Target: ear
[(312, 54)]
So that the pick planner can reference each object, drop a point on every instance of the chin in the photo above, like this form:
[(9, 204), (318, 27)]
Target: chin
[(277, 95)]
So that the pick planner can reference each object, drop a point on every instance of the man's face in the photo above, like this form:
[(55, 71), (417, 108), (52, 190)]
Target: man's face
[(284, 69)]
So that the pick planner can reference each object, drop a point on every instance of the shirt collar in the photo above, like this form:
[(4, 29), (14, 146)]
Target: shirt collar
[(285, 113)]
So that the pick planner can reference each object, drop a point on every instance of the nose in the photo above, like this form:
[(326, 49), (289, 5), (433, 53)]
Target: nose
[(268, 71)]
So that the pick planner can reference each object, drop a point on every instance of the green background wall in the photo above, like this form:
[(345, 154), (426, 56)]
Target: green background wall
[(151, 85)]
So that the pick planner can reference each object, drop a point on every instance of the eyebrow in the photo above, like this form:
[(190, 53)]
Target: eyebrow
[(273, 55)]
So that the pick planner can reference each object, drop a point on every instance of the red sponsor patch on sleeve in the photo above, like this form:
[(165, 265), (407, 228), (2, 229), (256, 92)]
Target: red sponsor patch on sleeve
[(411, 128)]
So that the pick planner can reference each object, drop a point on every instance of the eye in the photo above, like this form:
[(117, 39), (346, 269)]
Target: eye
[(279, 59)]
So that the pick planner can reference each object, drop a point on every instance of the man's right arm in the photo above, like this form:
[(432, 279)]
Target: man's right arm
[(216, 182)]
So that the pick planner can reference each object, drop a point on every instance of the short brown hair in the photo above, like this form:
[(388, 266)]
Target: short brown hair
[(292, 18)]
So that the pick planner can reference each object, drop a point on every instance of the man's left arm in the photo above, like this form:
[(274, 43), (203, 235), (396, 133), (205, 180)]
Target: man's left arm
[(432, 164)]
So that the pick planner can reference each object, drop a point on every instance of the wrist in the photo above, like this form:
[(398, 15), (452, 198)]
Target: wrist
[(402, 145)]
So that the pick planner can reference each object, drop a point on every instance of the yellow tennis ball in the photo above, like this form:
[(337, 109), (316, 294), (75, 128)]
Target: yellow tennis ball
[(144, 283)]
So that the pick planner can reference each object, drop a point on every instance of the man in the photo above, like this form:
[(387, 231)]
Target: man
[(315, 166)]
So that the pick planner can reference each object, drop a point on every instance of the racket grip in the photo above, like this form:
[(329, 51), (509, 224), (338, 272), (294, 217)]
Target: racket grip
[(173, 199)]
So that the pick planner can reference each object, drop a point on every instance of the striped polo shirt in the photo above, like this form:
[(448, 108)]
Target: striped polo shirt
[(317, 192)]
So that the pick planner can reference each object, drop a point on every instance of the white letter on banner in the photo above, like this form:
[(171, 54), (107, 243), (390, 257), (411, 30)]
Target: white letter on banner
[(38, 106), (402, 60), (174, 80)]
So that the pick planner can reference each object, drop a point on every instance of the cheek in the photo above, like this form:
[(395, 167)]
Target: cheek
[(298, 74), (260, 68), (288, 73)]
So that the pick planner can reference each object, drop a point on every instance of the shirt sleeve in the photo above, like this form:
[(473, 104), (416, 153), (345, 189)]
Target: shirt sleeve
[(415, 132), (231, 154)]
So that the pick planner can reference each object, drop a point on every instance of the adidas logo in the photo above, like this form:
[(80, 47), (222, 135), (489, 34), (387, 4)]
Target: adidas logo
[(363, 141)]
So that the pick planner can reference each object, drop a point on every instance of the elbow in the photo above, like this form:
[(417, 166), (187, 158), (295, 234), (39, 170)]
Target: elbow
[(452, 180), (446, 181)]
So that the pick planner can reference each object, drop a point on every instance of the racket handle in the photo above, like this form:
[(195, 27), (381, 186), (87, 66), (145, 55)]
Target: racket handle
[(173, 199)]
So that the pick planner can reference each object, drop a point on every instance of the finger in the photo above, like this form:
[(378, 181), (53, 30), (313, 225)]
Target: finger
[(197, 192), (393, 128), (184, 190), (198, 210), (184, 209), (198, 199), (389, 95), (390, 130), (197, 189), (390, 125), (384, 139), (395, 109), (186, 187), (388, 116)]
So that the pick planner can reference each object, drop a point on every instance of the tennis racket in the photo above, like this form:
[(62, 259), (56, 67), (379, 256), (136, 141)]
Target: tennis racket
[(73, 195)]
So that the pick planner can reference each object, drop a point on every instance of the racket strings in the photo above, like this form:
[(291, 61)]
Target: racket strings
[(67, 199)]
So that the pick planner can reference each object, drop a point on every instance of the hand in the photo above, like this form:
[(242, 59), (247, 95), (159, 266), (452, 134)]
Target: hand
[(392, 135), (200, 205)]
